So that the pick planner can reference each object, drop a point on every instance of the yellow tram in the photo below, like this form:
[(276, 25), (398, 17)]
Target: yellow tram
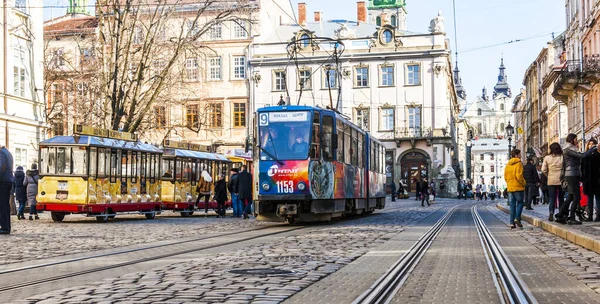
[(182, 165), (98, 173)]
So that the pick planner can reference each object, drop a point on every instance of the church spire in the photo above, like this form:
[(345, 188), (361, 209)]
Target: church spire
[(502, 86), (460, 90)]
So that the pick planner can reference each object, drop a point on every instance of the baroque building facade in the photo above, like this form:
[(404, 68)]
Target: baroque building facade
[(396, 85), (22, 120)]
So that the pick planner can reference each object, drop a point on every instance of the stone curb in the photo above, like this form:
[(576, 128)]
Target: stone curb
[(580, 238)]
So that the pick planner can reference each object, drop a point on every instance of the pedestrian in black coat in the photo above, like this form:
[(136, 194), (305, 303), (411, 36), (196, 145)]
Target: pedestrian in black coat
[(6, 182), (532, 182), (244, 188), (20, 192), (590, 171), (424, 193), (221, 195)]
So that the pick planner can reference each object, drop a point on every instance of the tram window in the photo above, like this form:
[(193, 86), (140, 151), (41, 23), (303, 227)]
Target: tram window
[(371, 156), (327, 136), (48, 160), (63, 160), (316, 138), (93, 162), (143, 167), (187, 170), (381, 159), (168, 168), (193, 176), (354, 147), (102, 162), (340, 147), (154, 160), (124, 165), (347, 144), (134, 167), (80, 162), (361, 151), (114, 165)]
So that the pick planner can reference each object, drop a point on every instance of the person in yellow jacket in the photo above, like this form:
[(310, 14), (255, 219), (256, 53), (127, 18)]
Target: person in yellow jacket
[(513, 175)]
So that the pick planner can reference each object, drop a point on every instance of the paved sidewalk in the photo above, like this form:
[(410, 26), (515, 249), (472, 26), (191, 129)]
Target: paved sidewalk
[(586, 235)]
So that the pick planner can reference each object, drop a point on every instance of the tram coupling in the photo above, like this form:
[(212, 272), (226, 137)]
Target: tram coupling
[(287, 209)]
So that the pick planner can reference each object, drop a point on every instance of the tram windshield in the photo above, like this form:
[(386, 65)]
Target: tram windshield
[(284, 135)]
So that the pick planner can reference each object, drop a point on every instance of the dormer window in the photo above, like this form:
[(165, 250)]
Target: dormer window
[(387, 36), (304, 40)]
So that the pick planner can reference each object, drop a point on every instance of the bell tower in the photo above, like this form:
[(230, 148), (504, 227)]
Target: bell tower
[(390, 12)]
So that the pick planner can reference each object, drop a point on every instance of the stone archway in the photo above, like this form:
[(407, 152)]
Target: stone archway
[(414, 165)]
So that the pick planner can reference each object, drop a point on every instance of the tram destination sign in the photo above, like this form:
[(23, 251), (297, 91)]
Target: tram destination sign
[(91, 131), (175, 144), (288, 116)]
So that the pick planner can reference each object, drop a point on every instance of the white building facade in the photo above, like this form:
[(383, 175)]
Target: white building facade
[(396, 85), (488, 160), (21, 83)]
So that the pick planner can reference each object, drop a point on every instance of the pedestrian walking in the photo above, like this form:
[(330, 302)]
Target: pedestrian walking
[(244, 187), (417, 190), (203, 188), (513, 175), (20, 192), (221, 195), (532, 180), (478, 192), (469, 190), (484, 191), (461, 189), (590, 171), (393, 190), (424, 193), (552, 167), (236, 205), (31, 182), (572, 176), (493, 191), (6, 181)]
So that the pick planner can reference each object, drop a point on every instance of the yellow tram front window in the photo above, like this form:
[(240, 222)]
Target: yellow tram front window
[(48, 160), (63, 160), (79, 160)]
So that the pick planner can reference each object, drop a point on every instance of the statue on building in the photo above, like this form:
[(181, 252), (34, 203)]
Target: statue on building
[(344, 32), (437, 24)]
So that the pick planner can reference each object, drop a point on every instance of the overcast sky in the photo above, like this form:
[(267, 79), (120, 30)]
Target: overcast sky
[(480, 24)]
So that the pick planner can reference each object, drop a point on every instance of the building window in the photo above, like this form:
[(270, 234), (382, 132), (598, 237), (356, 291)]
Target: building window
[(501, 107), (239, 67), (387, 36), (58, 59), (378, 21), (191, 68), (491, 156), (492, 168), (192, 28), (82, 89), (138, 35), (21, 5), (215, 115), (482, 169), (279, 81), (414, 118), (239, 29), (362, 118), (393, 21), (413, 76), (191, 116), (387, 76), (481, 157), (58, 126), (86, 56), (478, 112), (158, 66), (214, 68), (304, 77), (20, 81), (362, 77), (20, 157), (387, 119), (501, 128), (160, 115), (216, 32), (304, 41), (239, 114), (329, 81), (479, 128)]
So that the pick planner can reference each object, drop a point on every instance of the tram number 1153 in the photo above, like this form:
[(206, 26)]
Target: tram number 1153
[(285, 186)]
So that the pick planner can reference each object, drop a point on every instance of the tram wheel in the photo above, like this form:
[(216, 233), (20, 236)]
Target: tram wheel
[(57, 216), (150, 215), (291, 220), (102, 218)]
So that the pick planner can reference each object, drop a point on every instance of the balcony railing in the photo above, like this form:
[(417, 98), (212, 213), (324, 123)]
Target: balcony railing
[(567, 80), (413, 133), (591, 68)]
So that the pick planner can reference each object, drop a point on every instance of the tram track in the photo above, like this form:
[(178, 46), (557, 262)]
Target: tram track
[(509, 285), (76, 267)]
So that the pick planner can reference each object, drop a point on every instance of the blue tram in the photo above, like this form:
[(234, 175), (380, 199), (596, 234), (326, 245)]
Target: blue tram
[(312, 164)]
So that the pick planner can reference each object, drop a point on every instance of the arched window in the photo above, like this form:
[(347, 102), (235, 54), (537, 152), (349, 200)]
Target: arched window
[(378, 21), (479, 112), (393, 21), (304, 40), (502, 127), (501, 107)]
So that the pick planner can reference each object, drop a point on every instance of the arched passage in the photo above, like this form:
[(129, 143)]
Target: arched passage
[(414, 167)]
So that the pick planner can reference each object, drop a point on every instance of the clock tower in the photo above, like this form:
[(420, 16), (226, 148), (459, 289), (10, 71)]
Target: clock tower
[(390, 12)]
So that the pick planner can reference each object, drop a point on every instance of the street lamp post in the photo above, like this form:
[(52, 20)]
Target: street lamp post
[(509, 133), (469, 145)]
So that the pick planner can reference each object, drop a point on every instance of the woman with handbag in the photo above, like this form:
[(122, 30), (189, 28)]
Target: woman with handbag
[(572, 176), (551, 168)]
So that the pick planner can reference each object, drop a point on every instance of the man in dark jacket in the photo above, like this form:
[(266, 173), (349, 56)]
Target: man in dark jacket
[(20, 192), (532, 182), (244, 188), (6, 182), (232, 187), (221, 195), (590, 171)]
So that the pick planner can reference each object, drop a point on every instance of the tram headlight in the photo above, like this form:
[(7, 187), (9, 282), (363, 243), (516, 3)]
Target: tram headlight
[(301, 186), (265, 186)]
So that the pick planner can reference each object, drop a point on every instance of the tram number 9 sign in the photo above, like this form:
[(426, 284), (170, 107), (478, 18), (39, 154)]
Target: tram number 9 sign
[(285, 187), (263, 119)]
